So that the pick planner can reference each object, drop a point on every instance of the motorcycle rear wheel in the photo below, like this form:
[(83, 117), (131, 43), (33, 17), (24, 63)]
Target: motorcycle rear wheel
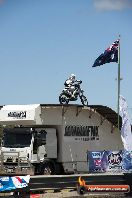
[(63, 99), (84, 100)]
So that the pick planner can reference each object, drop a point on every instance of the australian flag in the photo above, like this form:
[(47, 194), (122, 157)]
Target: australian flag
[(109, 55)]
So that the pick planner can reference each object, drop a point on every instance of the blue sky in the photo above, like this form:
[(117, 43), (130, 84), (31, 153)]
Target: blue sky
[(43, 41)]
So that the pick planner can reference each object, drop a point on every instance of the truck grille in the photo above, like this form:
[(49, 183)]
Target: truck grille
[(9, 160)]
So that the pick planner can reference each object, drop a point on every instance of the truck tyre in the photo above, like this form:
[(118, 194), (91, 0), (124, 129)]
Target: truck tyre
[(48, 169)]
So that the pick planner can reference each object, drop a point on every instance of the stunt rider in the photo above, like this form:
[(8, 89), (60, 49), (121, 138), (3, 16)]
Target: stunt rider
[(70, 85), (72, 91)]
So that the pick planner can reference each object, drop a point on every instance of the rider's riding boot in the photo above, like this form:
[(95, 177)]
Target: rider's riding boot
[(73, 95)]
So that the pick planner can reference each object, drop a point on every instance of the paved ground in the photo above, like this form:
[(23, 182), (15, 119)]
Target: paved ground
[(66, 194), (73, 194), (70, 195)]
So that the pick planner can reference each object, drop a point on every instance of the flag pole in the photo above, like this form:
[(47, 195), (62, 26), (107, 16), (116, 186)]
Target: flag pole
[(118, 84)]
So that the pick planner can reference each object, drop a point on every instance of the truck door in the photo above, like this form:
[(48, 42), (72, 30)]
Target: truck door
[(51, 143)]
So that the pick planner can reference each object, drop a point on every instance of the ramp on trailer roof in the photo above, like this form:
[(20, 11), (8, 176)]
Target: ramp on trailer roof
[(104, 111)]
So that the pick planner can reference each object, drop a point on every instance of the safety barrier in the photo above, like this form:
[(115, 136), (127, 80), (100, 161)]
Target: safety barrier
[(59, 182), (70, 181)]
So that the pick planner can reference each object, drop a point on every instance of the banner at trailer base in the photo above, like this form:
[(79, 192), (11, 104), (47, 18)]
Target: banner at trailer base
[(12, 183), (82, 187), (110, 161), (108, 188)]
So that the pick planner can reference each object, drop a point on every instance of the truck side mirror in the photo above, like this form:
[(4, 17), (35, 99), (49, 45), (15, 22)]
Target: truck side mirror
[(39, 142)]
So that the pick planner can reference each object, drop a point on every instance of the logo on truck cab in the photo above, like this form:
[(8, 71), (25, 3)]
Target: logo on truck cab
[(17, 114)]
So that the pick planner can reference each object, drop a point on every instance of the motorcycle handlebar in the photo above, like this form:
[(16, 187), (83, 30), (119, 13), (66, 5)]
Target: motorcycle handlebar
[(80, 81)]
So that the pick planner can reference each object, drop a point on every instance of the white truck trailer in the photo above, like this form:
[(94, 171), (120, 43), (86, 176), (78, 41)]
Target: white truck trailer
[(54, 138)]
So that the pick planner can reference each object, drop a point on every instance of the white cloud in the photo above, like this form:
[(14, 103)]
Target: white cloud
[(112, 4)]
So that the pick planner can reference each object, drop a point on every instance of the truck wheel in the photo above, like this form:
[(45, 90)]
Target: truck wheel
[(48, 169)]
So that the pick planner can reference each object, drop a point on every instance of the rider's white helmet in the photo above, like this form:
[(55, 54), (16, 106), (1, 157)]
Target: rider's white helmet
[(73, 76)]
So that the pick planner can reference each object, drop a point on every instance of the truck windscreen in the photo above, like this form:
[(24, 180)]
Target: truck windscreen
[(15, 140)]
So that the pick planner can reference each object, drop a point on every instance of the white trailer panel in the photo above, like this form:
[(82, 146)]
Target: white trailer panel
[(20, 114)]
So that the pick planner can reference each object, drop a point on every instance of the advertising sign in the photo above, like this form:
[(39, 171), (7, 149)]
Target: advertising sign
[(110, 161), (83, 188)]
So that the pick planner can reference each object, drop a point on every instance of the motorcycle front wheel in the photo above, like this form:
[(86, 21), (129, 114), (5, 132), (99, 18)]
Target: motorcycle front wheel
[(84, 100), (63, 99)]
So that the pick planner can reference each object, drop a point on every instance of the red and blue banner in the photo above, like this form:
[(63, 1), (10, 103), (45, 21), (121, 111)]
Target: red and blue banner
[(12, 183), (110, 161)]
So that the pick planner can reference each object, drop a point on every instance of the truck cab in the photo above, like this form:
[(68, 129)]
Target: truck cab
[(24, 149)]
